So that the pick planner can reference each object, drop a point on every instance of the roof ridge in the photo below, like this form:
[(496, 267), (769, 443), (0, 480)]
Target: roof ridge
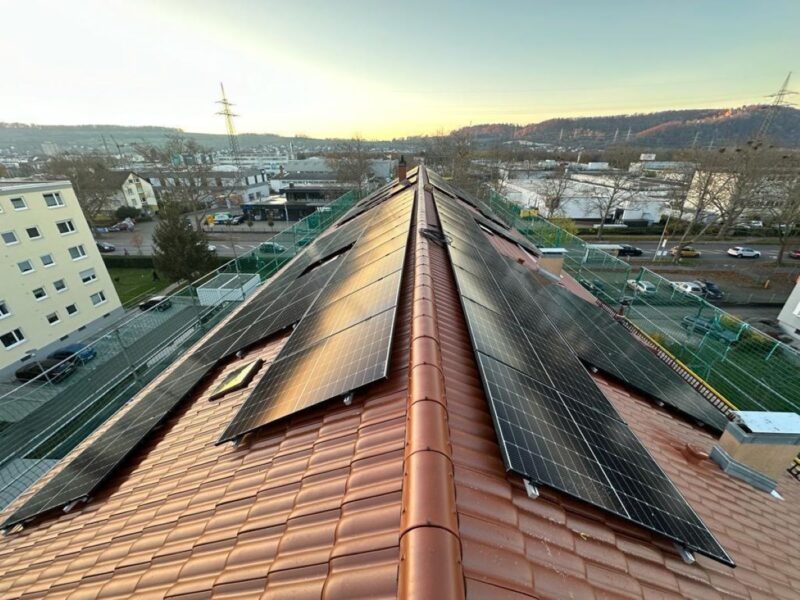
[(430, 544)]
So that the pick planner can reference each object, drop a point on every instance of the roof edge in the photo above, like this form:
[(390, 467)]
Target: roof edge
[(430, 544)]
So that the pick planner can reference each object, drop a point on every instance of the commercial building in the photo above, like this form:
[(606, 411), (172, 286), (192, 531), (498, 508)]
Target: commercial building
[(55, 288), (400, 413)]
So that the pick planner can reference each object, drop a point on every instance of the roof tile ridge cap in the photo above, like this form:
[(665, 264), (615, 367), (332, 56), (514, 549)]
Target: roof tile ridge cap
[(430, 546)]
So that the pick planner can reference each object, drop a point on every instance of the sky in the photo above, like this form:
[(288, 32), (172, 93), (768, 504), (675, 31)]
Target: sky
[(380, 69)]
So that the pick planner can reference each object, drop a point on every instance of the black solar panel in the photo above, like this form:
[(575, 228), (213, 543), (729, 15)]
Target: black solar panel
[(97, 461), (608, 346), (334, 366), (554, 424), (343, 340)]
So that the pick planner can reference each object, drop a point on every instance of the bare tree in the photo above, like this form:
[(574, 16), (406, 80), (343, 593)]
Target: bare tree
[(351, 163), (94, 182), (745, 180), (783, 213), (620, 189), (180, 160), (138, 241), (553, 189)]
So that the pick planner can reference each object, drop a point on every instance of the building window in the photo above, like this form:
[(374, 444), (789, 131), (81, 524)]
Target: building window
[(12, 338), (52, 318), (39, 293), (88, 275), (47, 260), (77, 252), (4, 312), (59, 285), (9, 238), (72, 309), (18, 203), (53, 200), (98, 298), (65, 227), (25, 266), (33, 232)]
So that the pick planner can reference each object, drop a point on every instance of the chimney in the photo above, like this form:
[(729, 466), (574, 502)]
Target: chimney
[(758, 447), (402, 169), (551, 260)]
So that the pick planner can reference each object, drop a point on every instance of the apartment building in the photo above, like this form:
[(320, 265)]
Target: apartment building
[(55, 286), (137, 192)]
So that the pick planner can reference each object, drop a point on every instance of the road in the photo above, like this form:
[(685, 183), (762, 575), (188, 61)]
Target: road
[(716, 253), (228, 240)]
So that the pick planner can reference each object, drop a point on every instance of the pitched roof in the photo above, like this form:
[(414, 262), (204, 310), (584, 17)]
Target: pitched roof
[(402, 492)]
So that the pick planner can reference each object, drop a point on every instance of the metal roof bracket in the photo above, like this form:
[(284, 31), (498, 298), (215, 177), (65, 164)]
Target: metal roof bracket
[(686, 554), (348, 399), (531, 489)]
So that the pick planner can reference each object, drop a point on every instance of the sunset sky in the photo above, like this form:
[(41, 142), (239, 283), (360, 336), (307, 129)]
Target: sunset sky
[(385, 69)]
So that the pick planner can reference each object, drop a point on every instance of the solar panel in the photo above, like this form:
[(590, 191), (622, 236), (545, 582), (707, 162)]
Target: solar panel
[(97, 461), (554, 425), (567, 445), (608, 346), (333, 366)]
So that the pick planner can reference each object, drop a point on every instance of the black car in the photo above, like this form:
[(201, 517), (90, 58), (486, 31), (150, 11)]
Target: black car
[(628, 250), (103, 247), (157, 302), (711, 291), (48, 369)]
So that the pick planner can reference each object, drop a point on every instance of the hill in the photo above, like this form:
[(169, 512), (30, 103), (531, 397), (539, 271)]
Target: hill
[(665, 129)]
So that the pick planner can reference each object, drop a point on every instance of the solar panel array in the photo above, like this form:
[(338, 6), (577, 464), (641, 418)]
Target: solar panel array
[(344, 340), (85, 472), (605, 344), (277, 306), (554, 425)]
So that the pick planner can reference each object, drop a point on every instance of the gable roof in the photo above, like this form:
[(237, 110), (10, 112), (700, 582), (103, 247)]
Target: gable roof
[(401, 492)]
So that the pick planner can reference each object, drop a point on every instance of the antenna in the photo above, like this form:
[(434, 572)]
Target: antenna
[(778, 100)]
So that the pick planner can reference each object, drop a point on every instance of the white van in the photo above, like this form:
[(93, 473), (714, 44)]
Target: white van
[(222, 218)]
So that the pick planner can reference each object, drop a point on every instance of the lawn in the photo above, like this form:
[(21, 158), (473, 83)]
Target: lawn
[(134, 284)]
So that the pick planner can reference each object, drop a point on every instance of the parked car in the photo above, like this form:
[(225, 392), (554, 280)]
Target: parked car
[(236, 220), (594, 285), (686, 252), (795, 253), (77, 353), (212, 248), (743, 252), (688, 287), (643, 288), (104, 247), (628, 250), (157, 302), (48, 369), (271, 248), (222, 218), (711, 291), (709, 327)]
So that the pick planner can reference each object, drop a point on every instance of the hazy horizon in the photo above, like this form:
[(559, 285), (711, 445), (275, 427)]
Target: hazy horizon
[(371, 69)]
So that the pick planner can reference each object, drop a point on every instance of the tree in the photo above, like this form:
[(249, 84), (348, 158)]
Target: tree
[(127, 212), (351, 163), (746, 179), (620, 189), (94, 182), (553, 188), (177, 160), (179, 250), (783, 213), (138, 240)]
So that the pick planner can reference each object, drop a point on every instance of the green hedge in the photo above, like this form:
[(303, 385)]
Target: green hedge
[(128, 262)]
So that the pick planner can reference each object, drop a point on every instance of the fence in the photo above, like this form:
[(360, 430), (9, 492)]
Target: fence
[(741, 364), (42, 422)]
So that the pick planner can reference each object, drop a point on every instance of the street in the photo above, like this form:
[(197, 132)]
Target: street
[(715, 252)]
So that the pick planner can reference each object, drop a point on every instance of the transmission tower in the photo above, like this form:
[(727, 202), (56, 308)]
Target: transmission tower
[(778, 100), (233, 140)]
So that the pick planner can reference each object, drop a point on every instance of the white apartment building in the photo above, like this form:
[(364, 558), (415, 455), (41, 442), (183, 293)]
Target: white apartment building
[(55, 288)]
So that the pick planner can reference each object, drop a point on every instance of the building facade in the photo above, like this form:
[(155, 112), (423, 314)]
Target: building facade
[(138, 192), (55, 283)]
